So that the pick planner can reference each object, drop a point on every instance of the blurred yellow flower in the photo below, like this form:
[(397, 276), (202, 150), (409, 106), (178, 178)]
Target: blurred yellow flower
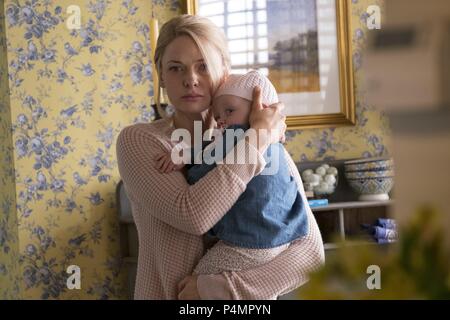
[(416, 267)]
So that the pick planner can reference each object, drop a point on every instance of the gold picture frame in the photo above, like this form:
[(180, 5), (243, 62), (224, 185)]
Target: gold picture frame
[(344, 114)]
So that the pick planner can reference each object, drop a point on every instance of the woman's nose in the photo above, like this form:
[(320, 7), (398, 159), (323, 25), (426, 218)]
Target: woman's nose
[(191, 80)]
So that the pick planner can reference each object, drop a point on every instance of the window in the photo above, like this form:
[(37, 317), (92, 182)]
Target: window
[(245, 25)]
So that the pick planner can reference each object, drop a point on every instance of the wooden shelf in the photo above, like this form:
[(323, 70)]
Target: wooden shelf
[(351, 207)]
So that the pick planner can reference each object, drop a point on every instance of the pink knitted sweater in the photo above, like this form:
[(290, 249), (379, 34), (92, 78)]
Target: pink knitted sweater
[(171, 216)]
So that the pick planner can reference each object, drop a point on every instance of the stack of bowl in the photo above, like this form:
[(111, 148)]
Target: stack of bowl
[(371, 178)]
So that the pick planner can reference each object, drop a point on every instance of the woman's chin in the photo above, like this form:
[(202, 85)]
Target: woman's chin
[(192, 108)]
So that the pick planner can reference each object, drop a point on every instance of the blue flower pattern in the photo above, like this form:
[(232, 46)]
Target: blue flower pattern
[(60, 158)]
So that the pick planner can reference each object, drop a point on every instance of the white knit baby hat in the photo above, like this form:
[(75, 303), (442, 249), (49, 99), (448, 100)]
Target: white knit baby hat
[(242, 85)]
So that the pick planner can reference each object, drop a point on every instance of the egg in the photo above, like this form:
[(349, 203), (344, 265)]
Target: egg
[(322, 188), (321, 171), (332, 170), (330, 179), (313, 179), (307, 173)]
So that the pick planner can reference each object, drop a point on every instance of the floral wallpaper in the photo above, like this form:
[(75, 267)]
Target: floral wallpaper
[(66, 94), (71, 92), (9, 267)]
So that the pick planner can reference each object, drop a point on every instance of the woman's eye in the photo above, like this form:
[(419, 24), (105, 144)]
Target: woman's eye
[(202, 67), (228, 111), (175, 68)]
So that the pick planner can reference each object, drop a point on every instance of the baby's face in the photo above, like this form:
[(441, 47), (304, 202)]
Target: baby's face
[(229, 110)]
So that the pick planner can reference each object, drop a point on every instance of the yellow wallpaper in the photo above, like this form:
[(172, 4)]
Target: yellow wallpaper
[(9, 245), (71, 92)]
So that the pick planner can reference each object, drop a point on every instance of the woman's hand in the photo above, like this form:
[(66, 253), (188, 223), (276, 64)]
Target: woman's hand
[(209, 121), (268, 122), (187, 289), (280, 106)]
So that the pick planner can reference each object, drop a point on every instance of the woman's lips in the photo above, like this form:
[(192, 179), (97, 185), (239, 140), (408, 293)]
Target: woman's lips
[(193, 97)]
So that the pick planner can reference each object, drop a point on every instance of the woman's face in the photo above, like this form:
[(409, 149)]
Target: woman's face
[(185, 76)]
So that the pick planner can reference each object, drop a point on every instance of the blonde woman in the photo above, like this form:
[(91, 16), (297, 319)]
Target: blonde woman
[(170, 215)]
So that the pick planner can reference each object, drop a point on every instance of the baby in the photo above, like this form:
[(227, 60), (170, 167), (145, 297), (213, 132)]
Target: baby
[(270, 213)]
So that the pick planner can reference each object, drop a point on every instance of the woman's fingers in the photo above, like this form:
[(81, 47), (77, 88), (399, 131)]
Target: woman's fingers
[(183, 283), (170, 167), (269, 122), (178, 166), (283, 133), (279, 105), (158, 156), (160, 163), (165, 165), (209, 121), (187, 289), (256, 102)]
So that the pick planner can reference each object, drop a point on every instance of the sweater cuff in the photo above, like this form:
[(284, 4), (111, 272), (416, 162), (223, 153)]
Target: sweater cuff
[(213, 287)]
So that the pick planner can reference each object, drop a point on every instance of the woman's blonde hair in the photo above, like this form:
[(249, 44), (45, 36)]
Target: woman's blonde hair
[(209, 38)]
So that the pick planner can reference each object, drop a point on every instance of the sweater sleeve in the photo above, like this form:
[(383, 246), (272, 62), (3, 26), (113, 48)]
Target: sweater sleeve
[(286, 272), (193, 209)]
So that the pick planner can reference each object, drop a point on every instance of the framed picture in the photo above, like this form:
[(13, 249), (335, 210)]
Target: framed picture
[(302, 46)]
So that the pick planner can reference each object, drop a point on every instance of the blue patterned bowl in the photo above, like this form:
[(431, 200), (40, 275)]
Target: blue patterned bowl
[(369, 174), (372, 188), (368, 164)]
